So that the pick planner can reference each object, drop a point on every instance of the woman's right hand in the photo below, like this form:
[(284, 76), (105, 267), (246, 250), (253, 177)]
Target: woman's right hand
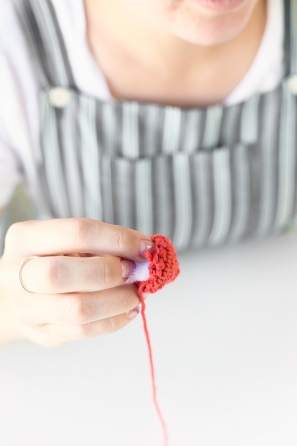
[(73, 256)]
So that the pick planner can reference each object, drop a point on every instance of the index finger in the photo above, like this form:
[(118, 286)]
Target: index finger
[(75, 235)]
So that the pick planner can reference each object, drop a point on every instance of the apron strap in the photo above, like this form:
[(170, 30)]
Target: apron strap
[(290, 42), (41, 29)]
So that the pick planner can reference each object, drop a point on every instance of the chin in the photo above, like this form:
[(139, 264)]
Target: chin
[(208, 35), (208, 30)]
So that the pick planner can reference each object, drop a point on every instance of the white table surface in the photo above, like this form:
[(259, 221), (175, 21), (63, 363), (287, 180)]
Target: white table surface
[(225, 346)]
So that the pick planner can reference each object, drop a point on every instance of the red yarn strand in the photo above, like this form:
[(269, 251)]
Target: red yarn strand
[(152, 368), (164, 268)]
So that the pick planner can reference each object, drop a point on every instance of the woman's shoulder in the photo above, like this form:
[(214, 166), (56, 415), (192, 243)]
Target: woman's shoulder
[(15, 61), (70, 13), (18, 85), (7, 15), (12, 41)]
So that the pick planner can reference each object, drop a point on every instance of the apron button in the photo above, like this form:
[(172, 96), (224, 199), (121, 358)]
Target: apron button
[(59, 97), (292, 84)]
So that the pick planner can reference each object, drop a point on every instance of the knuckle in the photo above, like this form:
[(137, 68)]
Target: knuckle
[(79, 313), (79, 230), (105, 273), (120, 239), (83, 331), (13, 232), (112, 324), (16, 232)]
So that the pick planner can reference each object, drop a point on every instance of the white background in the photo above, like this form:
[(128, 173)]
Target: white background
[(224, 337)]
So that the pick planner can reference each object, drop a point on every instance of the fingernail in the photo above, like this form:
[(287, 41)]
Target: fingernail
[(133, 313), (146, 245), (126, 268)]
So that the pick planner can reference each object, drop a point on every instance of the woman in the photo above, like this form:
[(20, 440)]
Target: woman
[(167, 116)]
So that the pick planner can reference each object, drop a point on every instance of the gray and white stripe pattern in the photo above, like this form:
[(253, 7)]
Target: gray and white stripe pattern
[(202, 177)]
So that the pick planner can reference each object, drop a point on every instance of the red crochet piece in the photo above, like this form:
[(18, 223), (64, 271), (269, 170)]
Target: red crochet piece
[(164, 268)]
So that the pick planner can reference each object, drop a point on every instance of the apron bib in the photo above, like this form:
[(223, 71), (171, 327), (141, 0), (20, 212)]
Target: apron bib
[(202, 177)]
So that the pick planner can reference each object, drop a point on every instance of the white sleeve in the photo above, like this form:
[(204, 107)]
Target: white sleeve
[(13, 113), (10, 173)]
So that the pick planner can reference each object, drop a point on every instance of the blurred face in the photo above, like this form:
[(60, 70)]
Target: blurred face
[(202, 22)]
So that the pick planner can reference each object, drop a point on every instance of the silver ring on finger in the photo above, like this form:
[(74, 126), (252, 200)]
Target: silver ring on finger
[(20, 273)]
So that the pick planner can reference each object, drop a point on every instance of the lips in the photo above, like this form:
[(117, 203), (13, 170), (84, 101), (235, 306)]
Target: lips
[(220, 5)]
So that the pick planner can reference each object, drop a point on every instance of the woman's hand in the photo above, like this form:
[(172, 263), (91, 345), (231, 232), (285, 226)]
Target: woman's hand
[(74, 256)]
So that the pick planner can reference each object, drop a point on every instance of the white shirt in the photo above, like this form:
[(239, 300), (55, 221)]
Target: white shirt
[(19, 103)]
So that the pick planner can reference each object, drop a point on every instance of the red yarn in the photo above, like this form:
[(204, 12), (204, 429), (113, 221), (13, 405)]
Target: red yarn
[(164, 268)]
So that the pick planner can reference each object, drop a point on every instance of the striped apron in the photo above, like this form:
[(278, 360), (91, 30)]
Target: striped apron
[(202, 177)]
